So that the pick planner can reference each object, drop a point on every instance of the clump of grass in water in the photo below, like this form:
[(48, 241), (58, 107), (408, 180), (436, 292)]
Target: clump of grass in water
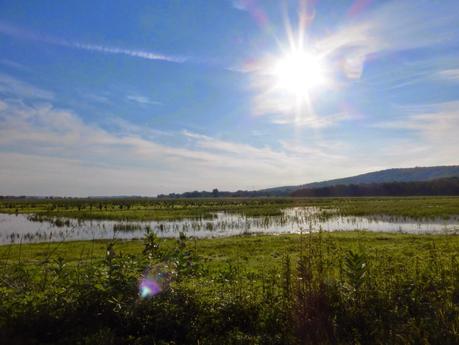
[(127, 227)]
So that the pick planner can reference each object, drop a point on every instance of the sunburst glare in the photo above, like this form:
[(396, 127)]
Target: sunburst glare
[(299, 72), (288, 84)]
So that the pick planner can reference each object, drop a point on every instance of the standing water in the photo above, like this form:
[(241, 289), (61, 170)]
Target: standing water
[(23, 228)]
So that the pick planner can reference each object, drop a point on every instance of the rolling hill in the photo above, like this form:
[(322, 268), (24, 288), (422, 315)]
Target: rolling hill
[(399, 175), (417, 174), (441, 186)]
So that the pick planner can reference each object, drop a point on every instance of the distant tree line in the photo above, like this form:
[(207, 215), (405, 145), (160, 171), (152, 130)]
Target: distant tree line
[(215, 193), (444, 186)]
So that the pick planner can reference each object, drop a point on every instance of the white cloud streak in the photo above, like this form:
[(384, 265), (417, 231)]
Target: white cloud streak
[(142, 100), (449, 74), (13, 31), (143, 54), (315, 121)]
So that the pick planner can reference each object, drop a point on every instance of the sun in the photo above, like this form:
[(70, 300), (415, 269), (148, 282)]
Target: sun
[(299, 72), (293, 84)]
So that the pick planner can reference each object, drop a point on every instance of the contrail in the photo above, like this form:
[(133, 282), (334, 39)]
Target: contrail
[(143, 54)]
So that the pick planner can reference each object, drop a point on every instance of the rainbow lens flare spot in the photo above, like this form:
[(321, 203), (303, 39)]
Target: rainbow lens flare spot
[(154, 280)]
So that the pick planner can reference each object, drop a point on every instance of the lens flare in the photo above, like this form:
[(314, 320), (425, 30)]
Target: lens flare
[(154, 280)]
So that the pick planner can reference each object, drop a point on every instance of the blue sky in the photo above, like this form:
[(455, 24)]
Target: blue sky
[(112, 97)]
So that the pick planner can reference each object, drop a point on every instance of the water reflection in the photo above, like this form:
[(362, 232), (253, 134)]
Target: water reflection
[(23, 228)]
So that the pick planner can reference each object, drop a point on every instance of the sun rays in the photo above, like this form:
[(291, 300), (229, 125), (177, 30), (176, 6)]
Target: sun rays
[(288, 82)]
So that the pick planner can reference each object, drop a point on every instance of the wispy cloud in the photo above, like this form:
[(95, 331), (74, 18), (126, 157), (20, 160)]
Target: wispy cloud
[(434, 127), (37, 138), (13, 64), (142, 100), (144, 54), (239, 5), (315, 121), (10, 30), (393, 26), (431, 120), (11, 86), (449, 74), (94, 97), (48, 150)]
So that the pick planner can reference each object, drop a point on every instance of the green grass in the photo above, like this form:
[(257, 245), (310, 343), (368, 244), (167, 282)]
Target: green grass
[(325, 288), (158, 209), (256, 251)]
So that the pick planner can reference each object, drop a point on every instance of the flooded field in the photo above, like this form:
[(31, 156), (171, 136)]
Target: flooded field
[(27, 229)]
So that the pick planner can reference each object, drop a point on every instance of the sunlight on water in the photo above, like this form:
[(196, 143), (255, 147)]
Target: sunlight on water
[(23, 228)]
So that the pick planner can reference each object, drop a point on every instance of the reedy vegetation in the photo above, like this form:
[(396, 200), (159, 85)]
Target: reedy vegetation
[(171, 209)]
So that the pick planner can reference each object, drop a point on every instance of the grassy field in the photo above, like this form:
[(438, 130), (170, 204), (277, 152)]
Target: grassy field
[(324, 288), (321, 288), (160, 209)]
